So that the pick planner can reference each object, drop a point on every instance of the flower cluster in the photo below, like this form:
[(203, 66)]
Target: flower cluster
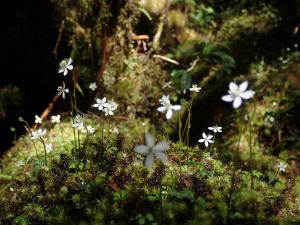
[(206, 138), (108, 107)]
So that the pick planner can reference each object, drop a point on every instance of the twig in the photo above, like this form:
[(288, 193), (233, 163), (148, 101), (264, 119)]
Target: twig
[(61, 28), (160, 26)]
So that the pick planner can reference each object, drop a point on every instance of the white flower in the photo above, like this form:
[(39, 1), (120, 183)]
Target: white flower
[(93, 86), (215, 129), (281, 167), (206, 139), (65, 65), (166, 106), (78, 123), (55, 119), (62, 90), (150, 150), (90, 129), (110, 108), (195, 88), (101, 103), (237, 93), (49, 147), (38, 119), (37, 134), (114, 130)]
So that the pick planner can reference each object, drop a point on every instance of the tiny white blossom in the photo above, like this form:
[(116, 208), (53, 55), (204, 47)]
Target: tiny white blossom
[(206, 139), (90, 129), (49, 148), (37, 134), (55, 119), (167, 106), (93, 86), (114, 130), (282, 167), (38, 119), (62, 90), (78, 123), (195, 88), (215, 129), (150, 150), (237, 93), (110, 108), (101, 103), (65, 65)]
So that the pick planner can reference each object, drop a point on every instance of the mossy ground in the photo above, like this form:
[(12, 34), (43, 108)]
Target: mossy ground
[(99, 179)]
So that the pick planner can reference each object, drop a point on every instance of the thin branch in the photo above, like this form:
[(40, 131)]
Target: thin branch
[(61, 28)]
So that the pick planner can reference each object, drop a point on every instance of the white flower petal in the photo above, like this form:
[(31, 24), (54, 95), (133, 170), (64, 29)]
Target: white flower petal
[(141, 149), (176, 107), (206, 143), (228, 98), (169, 114), (65, 72), (237, 102), (149, 139), (210, 141), (201, 140), (233, 86), (161, 109), (243, 86), (149, 160), (70, 67), (204, 135), (70, 61), (161, 146), (247, 94), (161, 156)]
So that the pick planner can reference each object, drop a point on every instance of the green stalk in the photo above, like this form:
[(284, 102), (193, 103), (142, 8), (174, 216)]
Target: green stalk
[(241, 128), (212, 144), (250, 146), (45, 150)]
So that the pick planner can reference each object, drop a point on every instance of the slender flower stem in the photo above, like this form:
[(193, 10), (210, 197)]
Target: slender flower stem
[(179, 128), (241, 129), (72, 114), (211, 146), (45, 150), (36, 152), (78, 136), (250, 144)]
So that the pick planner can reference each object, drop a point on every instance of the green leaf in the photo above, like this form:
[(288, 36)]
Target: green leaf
[(177, 73), (185, 81), (5, 177)]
